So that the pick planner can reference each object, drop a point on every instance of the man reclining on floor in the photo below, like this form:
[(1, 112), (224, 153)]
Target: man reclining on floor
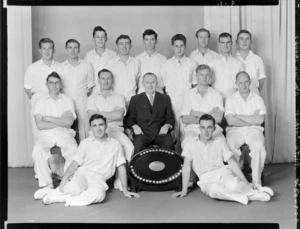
[(95, 162), (217, 180)]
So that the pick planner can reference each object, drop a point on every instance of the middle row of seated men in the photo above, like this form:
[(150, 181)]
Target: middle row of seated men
[(150, 116)]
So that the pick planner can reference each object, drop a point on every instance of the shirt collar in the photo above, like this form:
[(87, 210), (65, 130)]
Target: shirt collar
[(146, 54), (49, 97), (183, 59), (208, 90), (94, 52), (238, 95), (128, 60), (199, 52), (250, 54), (68, 63), (41, 62), (111, 92), (93, 139)]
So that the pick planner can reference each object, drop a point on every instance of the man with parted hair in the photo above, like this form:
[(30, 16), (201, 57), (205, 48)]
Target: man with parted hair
[(36, 75), (125, 68), (54, 115), (225, 67), (96, 160), (150, 59), (198, 101), (245, 112), (253, 64), (203, 54), (113, 106), (100, 55), (78, 81), (206, 156), (178, 75), (150, 117)]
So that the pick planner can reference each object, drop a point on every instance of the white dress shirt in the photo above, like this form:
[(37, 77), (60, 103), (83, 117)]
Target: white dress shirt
[(152, 64), (199, 58)]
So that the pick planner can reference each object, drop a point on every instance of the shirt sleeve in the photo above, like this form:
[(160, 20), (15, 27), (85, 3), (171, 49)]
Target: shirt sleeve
[(90, 104), (187, 106), (70, 106), (194, 78), (80, 153), (226, 152), (261, 69), (120, 155), (229, 108), (164, 75), (38, 109), (90, 76), (28, 79), (121, 103), (261, 106), (219, 101), (186, 153)]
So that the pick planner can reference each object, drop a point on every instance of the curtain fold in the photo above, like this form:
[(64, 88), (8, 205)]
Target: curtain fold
[(18, 107)]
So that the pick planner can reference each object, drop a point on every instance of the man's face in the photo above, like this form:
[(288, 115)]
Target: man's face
[(203, 39), (225, 44), (203, 77), (47, 51), (244, 41), (124, 46), (105, 81), (178, 48), (149, 42), (150, 83), (100, 39), (72, 50), (98, 128), (206, 129), (54, 85), (243, 83)]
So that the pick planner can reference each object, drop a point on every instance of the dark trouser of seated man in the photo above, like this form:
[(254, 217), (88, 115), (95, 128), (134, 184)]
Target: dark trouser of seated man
[(143, 141)]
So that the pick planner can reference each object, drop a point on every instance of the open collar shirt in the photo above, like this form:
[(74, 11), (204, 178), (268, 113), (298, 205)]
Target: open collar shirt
[(77, 80), (37, 73), (224, 71), (100, 103), (206, 157), (199, 58), (126, 75), (152, 64), (254, 66), (99, 62), (178, 77), (101, 158)]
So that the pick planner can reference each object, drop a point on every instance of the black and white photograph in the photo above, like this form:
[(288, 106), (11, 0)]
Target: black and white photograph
[(158, 114)]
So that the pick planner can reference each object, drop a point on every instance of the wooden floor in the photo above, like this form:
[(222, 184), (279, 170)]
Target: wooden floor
[(156, 207)]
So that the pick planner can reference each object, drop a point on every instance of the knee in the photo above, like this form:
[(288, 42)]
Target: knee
[(72, 189)]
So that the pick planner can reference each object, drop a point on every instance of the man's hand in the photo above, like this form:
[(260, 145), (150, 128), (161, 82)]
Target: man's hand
[(164, 129), (179, 194), (130, 194), (215, 110), (137, 130)]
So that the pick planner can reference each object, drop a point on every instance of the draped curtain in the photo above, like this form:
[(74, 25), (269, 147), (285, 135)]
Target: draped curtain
[(273, 39), (273, 30)]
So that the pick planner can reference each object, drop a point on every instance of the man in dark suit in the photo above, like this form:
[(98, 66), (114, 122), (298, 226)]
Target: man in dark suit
[(151, 124)]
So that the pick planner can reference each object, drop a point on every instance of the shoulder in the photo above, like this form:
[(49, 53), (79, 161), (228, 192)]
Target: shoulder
[(194, 52), (114, 143), (162, 57), (66, 98), (140, 56)]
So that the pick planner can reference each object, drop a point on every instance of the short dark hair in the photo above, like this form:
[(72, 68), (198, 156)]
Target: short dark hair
[(99, 28), (225, 34), (242, 72), (202, 30), (202, 67), (179, 37), (72, 41), (149, 32), (149, 73), (97, 116), (105, 70), (45, 40), (53, 74), (207, 117), (244, 31), (123, 37)]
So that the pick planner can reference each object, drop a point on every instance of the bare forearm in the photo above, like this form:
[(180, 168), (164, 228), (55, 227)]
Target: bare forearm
[(62, 121), (43, 125), (217, 116), (252, 119), (70, 171), (186, 170), (188, 119), (236, 169), (233, 121), (261, 84), (113, 115), (123, 176)]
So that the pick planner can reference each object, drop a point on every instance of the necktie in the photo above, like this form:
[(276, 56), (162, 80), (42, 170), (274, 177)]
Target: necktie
[(151, 99)]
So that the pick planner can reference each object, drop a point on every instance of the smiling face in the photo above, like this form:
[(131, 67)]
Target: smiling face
[(244, 41), (72, 50), (206, 130), (150, 83), (105, 81), (124, 46), (178, 48), (225, 44), (46, 50), (98, 128), (203, 39), (54, 85), (149, 42), (100, 39)]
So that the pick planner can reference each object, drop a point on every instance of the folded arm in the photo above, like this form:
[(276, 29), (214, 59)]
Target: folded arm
[(66, 120)]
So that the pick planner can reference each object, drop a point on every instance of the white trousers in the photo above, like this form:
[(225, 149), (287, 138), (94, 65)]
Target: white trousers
[(84, 188), (223, 184), (41, 154), (192, 131), (254, 138)]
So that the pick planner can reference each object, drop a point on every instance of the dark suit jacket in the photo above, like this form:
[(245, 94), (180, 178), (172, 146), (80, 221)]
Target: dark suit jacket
[(150, 119)]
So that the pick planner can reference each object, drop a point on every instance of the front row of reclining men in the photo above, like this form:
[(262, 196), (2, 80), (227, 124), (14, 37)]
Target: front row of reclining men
[(95, 161)]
